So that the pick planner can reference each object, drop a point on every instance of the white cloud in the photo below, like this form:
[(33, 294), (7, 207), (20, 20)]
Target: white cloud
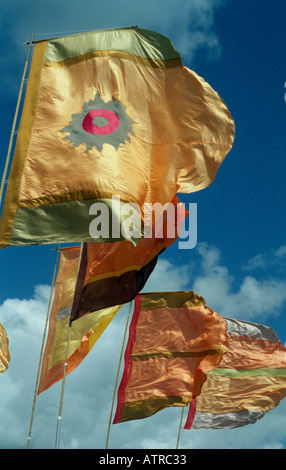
[(168, 277), (24, 324), (271, 259), (257, 261), (252, 300), (281, 252)]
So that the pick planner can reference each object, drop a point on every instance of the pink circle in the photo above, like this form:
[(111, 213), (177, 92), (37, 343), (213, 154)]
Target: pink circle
[(113, 122)]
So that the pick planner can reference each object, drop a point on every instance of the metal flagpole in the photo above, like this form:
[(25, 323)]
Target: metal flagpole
[(15, 119), (42, 349), (180, 427), (118, 370), (59, 420)]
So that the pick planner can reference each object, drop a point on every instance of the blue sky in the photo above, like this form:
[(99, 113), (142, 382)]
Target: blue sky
[(239, 262)]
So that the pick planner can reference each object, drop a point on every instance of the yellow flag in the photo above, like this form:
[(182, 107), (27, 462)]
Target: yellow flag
[(84, 332), (108, 113), (4, 350)]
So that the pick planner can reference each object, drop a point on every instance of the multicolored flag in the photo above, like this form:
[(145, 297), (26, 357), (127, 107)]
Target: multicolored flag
[(108, 113), (249, 381), (174, 339), (84, 332), (4, 350)]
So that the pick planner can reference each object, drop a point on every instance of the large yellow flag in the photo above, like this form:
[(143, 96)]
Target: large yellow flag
[(108, 113)]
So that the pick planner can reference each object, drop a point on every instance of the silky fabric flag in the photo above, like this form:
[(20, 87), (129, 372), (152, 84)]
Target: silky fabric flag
[(84, 331), (174, 339), (108, 113), (4, 350), (113, 273), (250, 380)]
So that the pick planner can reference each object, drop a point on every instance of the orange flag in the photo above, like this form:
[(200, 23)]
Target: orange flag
[(174, 339), (113, 273)]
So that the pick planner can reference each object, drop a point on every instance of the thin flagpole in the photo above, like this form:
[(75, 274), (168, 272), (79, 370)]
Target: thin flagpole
[(42, 349), (59, 420), (180, 427), (15, 119), (116, 381)]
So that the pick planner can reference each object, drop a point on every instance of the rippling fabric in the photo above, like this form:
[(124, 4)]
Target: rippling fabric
[(174, 339), (113, 273), (4, 350), (84, 332), (108, 113), (250, 380)]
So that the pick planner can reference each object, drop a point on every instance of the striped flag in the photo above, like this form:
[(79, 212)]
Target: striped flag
[(174, 339)]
